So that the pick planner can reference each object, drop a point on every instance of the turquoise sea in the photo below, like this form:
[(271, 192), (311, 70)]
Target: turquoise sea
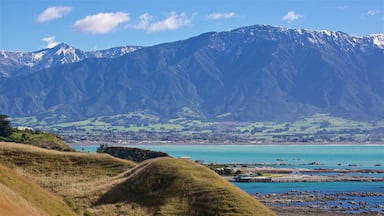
[(299, 156)]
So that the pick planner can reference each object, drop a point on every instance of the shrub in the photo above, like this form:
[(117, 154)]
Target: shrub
[(5, 126), (72, 204), (87, 213)]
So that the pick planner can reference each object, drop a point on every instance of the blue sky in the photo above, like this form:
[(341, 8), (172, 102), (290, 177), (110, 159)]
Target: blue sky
[(28, 25)]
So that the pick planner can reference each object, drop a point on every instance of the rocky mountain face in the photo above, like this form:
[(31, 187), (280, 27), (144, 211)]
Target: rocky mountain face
[(25, 63), (251, 73)]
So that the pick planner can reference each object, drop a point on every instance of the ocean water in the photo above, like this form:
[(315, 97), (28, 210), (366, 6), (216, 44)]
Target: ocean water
[(323, 187), (338, 190), (297, 156), (292, 156)]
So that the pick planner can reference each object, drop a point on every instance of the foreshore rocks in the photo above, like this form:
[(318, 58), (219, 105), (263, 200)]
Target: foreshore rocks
[(306, 178), (281, 175), (316, 203), (343, 203)]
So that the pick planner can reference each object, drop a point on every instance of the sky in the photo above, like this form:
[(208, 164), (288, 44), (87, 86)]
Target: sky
[(30, 25)]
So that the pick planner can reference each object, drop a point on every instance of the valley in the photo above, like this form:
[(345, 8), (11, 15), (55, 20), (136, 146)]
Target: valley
[(140, 127)]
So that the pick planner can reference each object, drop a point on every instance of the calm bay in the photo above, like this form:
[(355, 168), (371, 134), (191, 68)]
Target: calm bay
[(296, 156), (348, 157), (293, 156)]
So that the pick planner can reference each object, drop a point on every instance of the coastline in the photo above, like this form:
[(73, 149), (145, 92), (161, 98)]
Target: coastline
[(171, 143), (284, 175), (295, 203), (313, 172), (315, 202)]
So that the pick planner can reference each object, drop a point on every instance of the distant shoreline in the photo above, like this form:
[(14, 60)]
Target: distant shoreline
[(281, 175), (153, 143)]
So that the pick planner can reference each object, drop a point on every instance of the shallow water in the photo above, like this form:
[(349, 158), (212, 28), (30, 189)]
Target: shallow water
[(293, 156), (338, 192), (321, 187), (297, 156)]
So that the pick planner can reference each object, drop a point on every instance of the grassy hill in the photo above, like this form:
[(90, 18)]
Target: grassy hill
[(37, 138), (103, 185), (79, 178), (179, 187), (22, 197)]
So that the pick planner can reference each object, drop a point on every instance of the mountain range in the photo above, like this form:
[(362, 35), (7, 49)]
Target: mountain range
[(23, 63), (251, 73)]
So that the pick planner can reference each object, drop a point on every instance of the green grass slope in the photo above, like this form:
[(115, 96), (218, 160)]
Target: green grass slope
[(37, 160), (22, 197), (170, 186), (48, 141), (40, 139)]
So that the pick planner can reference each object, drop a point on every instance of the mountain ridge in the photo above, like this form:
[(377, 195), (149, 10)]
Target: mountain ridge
[(24, 63), (251, 73)]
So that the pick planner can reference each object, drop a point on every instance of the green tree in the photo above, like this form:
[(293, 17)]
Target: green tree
[(5, 126)]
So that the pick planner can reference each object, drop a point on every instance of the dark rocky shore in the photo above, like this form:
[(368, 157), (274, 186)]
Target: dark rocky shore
[(276, 175), (315, 203)]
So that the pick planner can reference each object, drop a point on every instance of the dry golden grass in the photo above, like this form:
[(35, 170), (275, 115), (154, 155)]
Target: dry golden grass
[(22, 197), (12, 203), (81, 177), (179, 187), (105, 185)]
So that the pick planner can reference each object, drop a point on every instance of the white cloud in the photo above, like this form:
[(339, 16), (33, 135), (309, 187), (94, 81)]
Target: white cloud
[(292, 16), (143, 21), (172, 22), (100, 23), (52, 13), (217, 16), (50, 41), (373, 12)]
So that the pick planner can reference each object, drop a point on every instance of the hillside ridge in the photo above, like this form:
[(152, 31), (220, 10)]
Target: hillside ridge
[(104, 185), (22, 197), (181, 187)]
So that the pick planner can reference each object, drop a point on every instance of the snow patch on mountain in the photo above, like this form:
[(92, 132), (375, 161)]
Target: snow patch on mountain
[(38, 56), (21, 63), (112, 52), (12, 63), (378, 40), (3, 54)]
